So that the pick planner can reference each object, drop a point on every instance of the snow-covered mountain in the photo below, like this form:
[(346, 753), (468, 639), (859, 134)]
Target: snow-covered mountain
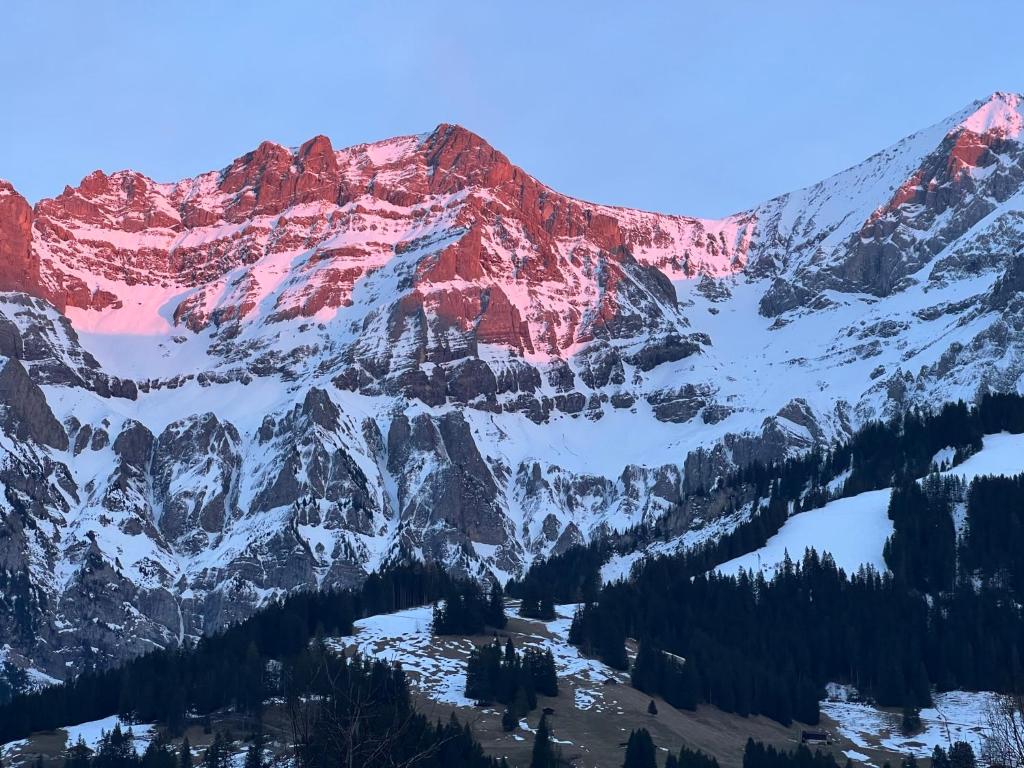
[(284, 373)]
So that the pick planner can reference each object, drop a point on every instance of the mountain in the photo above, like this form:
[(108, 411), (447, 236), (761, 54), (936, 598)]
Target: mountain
[(288, 372)]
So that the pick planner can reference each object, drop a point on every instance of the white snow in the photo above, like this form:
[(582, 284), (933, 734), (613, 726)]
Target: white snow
[(853, 530), (1003, 113), (405, 638), (92, 732), (1001, 454)]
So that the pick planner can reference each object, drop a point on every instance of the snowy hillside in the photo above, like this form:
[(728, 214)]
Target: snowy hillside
[(288, 372), (853, 530)]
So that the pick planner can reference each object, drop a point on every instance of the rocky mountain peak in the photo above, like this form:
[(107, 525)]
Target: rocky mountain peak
[(1001, 114), (284, 373)]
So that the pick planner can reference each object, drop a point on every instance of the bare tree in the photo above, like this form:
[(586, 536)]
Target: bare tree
[(339, 714), (1004, 743)]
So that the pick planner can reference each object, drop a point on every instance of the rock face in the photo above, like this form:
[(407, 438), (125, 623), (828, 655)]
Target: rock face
[(19, 267), (286, 373)]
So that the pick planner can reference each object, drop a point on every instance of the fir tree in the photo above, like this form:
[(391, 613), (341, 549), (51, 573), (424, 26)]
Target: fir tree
[(543, 754), (216, 755), (158, 754), (961, 755), (640, 751), (652, 708), (496, 607), (254, 754), (911, 721), (79, 755)]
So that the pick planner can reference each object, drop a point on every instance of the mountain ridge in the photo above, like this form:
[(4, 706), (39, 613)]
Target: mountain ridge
[(285, 373)]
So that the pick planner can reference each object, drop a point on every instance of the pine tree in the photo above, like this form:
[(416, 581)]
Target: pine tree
[(961, 755), (217, 753), (116, 749), (546, 609), (640, 751), (158, 754), (548, 678), (79, 755), (911, 723), (543, 755), (496, 607), (652, 708), (254, 755)]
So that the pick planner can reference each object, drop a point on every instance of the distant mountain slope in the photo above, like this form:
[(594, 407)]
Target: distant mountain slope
[(284, 373)]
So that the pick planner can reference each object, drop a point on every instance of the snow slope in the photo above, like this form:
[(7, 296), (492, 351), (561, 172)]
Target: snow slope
[(1001, 454), (852, 530)]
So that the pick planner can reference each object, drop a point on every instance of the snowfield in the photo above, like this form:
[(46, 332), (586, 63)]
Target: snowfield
[(853, 530), (91, 733), (1001, 454)]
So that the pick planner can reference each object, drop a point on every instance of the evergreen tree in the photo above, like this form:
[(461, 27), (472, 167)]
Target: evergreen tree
[(79, 755), (961, 755), (496, 607), (254, 754), (217, 755), (543, 754), (911, 721), (640, 751), (116, 749), (652, 708), (508, 721), (158, 754), (546, 608)]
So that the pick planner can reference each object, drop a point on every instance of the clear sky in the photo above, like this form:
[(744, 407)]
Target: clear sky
[(684, 107)]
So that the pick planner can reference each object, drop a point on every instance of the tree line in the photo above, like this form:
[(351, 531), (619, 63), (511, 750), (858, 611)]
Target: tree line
[(235, 668), (341, 712), (948, 615), (466, 611)]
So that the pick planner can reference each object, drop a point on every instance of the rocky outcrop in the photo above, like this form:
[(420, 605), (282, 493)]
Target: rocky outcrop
[(195, 478), (26, 414), (19, 265)]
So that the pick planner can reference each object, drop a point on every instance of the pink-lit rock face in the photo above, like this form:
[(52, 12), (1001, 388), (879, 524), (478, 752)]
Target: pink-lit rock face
[(472, 245), (466, 242), (19, 269)]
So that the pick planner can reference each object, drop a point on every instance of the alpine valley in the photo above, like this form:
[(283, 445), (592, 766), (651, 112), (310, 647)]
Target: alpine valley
[(313, 363)]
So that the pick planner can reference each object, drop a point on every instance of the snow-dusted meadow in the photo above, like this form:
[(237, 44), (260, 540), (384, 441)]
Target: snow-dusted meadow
[(437, 665), (954, 716)]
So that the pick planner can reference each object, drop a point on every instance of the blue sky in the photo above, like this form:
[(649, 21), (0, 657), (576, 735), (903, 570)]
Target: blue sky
[(683, 107)]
